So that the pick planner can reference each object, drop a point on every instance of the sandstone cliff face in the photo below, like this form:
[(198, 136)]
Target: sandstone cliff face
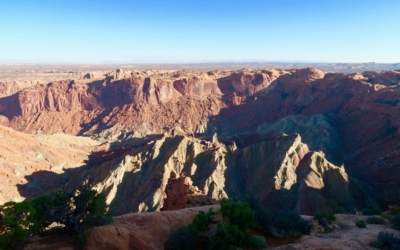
[(137, 180), (172, 100), (7, 89), (284, 173), (356, 119), (165, 173)]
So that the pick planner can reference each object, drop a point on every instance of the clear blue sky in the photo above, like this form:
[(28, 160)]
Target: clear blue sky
[(199, 30)]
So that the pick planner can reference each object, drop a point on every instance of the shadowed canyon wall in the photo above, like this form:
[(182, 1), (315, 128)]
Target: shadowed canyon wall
[(224, 130)]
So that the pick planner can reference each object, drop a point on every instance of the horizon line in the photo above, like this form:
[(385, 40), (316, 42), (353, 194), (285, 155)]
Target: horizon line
[(188, 62)]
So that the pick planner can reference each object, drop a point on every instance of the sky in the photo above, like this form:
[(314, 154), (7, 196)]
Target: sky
[(170, 31)]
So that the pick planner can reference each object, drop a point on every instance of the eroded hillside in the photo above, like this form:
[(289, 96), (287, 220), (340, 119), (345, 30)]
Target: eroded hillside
[(25, 157), (223, 130)]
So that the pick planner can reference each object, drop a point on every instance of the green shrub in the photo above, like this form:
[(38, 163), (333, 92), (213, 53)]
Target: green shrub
[(335, 207), (394, 210), (17, 222), (278, 223), (231, 232), (361, 224), (306, 226), (237, 212), (257, 241), (188, 202), (202, 221), (230, 236), (82, 207), (288, 223), (325, 219), (395, 220), (77, 210), (181, 239), (203, 203), (375, 220), (387, 240), (80, 239), (372, 211)]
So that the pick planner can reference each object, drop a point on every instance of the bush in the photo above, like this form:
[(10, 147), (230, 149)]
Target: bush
[(372, 211), (306, 226), (335, 207), (278, 223), (325, 219), (257, 241), (181, 239), (202, 221), (387, 240), (395, 221), (17, 222), (237, 212), (375, 220), (288, 223), (229, 235), (231, 232), (51, 207), (361, 224), (394, 210), (77, 210), (82, 207)]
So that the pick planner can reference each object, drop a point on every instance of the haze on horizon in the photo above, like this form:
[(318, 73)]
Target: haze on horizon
[(199, 31)]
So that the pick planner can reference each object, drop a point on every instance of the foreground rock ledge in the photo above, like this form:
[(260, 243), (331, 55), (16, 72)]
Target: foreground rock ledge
[(142, 230), (151, 230)]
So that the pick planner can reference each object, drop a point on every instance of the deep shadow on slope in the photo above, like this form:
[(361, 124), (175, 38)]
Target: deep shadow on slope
[(43, 182), (138, 186), (10, 106), (367, 129)]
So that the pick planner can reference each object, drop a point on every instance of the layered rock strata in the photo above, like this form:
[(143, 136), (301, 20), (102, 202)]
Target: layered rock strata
[(240, 106), (164, 174)]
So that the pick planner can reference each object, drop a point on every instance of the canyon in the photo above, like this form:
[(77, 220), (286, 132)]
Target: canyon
[(162, 145), (169, 139)]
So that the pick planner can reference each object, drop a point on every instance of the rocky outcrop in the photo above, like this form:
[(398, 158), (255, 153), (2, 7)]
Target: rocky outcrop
[(166, 173), (175, 172), (130, 231), (148, 168), (7, 89), (142, 231), (180, 193), (319, 132), (93, 75), (283, 173)]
